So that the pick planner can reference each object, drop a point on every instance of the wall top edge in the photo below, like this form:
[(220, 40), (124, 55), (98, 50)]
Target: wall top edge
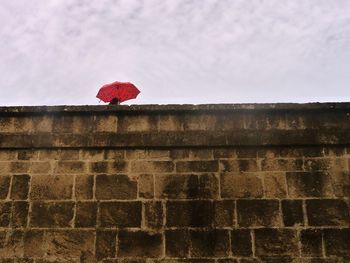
[(86, 109)]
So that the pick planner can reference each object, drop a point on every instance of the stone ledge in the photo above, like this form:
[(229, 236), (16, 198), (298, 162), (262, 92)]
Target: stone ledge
[(88, 109), (178, 139)]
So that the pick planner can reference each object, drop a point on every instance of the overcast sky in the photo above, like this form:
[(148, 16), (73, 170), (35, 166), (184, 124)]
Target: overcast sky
[(175, 51)]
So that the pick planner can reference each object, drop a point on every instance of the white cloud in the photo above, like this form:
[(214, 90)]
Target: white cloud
[(198, 51)]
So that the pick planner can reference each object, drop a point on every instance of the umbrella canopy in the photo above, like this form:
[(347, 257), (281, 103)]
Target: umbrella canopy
[(121, 91)]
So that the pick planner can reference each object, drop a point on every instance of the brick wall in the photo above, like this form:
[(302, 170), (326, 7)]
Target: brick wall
[(175, 184)]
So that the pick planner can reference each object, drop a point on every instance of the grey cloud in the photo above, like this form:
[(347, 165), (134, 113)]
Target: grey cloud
[(198, 51)]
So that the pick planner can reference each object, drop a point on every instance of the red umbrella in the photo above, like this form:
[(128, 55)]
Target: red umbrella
[(121, 91)]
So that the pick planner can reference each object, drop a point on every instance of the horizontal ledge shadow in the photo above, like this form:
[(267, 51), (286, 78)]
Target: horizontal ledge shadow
[(178, 139)]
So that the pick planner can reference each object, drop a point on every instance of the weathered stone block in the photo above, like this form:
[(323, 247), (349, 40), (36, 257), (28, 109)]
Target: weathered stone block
[(271, 153), (27, 154), (6, 124), (84, 187), (208, 186), (239, 165), (99, 167), (309, 184), (19, 214), (42, 123), (20, 186), (140, 244), (292, 211), (275, 259), (114, 154), (62, 124), (92, 154), (7, 260), (105, 244), (197, 166), (258, 213), (5, 214), (4, 186), (69, 245), (52, 214), (282, 165), (146, 186), (337, 242), (179, 154), (327, 212), (314, 165), (193, 213), (235, 185), (275, 185), (120, 214), (40, 167), (19, 167), (195, 122), (83, 124), (154, 215), (311, 242), (70, 167), (24, 260), (230, 260), (276, 242), (321, 260), (51, 187), (177, 243), (11, 244), (5, 168), (137, 123), (105, 123), (110, 167), (149, 154), (152, 166), (212, 243), (224, 213), (68, 154), (86, 213), (341, 183), (187, 186), (225, 153), (48, 154), (241, 242), (34, 243), (115, 187), (9, 154), (269, 120), (23, 124), (201, 154), (171, 123)]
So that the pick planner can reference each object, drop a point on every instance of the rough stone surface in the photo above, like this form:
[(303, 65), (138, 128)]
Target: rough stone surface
[(276, 242), (85, 214), (214, 243), (49, 187), (311, 242), (140, 244), (241, 185), (52, 214), (115, 187), (189, 213), (120, 214), (248, 183), (258, 213), (292, 211), (327, 212), (241, 242), (177, 243)]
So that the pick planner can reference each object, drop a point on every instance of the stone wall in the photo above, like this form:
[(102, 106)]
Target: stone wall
[(175, 184)]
